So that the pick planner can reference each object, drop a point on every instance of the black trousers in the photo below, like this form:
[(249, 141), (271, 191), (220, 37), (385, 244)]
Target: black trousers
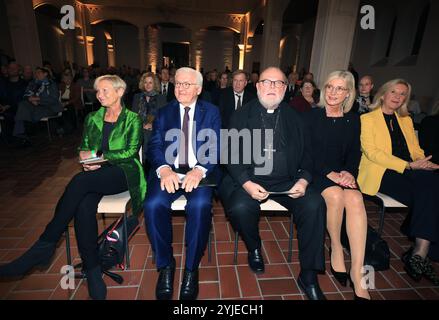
[(418, 190), (309, 215), (80, 201)]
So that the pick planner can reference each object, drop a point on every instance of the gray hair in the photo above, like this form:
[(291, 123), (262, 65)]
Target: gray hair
[(198, 75)]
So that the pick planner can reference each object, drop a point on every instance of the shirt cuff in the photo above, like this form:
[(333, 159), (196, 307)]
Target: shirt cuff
[(204, 170), (158, 170)]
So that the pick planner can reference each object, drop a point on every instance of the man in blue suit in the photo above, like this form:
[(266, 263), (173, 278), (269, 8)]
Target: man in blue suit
[(185, 138)]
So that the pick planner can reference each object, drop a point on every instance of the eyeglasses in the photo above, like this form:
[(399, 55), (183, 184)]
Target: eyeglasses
[(338, 90), (184, 85), (267, 83)]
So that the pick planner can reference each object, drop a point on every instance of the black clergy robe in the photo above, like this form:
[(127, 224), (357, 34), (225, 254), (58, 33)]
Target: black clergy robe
[(291, 162)]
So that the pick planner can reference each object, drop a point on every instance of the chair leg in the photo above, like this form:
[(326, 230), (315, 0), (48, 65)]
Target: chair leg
[(382, 212), (48, 129), (235, 255), (127, 249), (290, 240), (209, 248)]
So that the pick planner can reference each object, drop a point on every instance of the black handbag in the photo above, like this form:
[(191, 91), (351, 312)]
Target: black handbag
[(111, 245), (377, 252)]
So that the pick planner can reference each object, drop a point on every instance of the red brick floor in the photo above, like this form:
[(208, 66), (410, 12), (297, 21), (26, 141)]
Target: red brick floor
[(33, 179)]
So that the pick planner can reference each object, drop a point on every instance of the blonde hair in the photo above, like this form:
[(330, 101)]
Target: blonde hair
[(350, 85), (154, 79), (115, 80), (378, 101)]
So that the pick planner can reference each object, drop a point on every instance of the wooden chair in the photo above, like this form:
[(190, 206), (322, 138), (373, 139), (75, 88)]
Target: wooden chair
[(48, 119)]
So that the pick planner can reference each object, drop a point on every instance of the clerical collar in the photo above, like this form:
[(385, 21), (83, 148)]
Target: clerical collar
[(270, 110)]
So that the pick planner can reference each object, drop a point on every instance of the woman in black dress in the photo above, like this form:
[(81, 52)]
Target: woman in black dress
[(334, 134)]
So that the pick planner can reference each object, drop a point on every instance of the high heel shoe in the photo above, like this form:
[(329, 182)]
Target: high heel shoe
[(39, 255), (358, 298), (341, 277)]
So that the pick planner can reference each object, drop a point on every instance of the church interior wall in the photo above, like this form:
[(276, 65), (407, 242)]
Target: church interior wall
[(420, 71)]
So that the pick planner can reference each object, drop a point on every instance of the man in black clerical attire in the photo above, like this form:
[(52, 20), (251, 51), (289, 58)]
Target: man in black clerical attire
[(285, 167)]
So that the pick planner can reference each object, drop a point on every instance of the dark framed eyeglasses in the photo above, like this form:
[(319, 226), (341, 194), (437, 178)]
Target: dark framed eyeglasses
[(268, 83)]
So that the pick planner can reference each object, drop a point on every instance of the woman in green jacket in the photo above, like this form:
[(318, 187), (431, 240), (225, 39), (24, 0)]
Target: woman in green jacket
[(115, 134)]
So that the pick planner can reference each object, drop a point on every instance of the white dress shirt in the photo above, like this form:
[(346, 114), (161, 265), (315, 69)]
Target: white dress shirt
[(236, 98), (191, 152)]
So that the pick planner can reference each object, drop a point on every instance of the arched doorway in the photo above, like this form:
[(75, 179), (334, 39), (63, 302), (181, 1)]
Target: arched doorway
[(116, 43)]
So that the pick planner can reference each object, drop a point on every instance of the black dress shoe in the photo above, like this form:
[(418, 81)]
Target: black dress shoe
[(256, 261), (189, 286), (165, 282), (313, 291)]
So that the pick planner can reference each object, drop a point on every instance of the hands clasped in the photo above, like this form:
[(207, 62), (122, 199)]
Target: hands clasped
[(170, 181)]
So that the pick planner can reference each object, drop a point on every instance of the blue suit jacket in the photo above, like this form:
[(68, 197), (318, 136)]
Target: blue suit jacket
[(206, 116)]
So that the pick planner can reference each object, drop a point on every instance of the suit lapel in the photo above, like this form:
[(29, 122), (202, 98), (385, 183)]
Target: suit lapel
[(199, 115)]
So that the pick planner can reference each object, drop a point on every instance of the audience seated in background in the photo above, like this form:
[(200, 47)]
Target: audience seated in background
[(293, 88), (365, 97), (393, 163), (13, 91), (70, 95), (304, 101), (234, 97), (310, 76), (146, 104), (86, 82), (41, 99)]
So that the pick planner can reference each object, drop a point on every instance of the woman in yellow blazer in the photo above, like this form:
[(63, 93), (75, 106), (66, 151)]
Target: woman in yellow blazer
[(393, 163)]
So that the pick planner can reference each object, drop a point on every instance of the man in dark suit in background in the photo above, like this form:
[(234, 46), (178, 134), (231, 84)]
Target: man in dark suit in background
[(166, 87), (234, 97), (293, 88)]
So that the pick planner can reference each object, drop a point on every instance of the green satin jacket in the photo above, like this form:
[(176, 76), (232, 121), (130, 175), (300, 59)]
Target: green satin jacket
[(124, 144)]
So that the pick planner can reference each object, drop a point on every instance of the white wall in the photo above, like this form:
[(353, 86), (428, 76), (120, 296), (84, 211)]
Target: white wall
[(370, 45)]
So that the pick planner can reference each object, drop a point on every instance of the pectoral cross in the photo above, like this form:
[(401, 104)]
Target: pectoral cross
[(270, 150)]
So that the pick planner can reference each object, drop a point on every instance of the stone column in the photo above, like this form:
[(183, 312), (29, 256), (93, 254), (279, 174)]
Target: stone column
[(24, 32), (153, 48), (196, 49), (142, 55), (89, 48), (273, 16), (333, 37)]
